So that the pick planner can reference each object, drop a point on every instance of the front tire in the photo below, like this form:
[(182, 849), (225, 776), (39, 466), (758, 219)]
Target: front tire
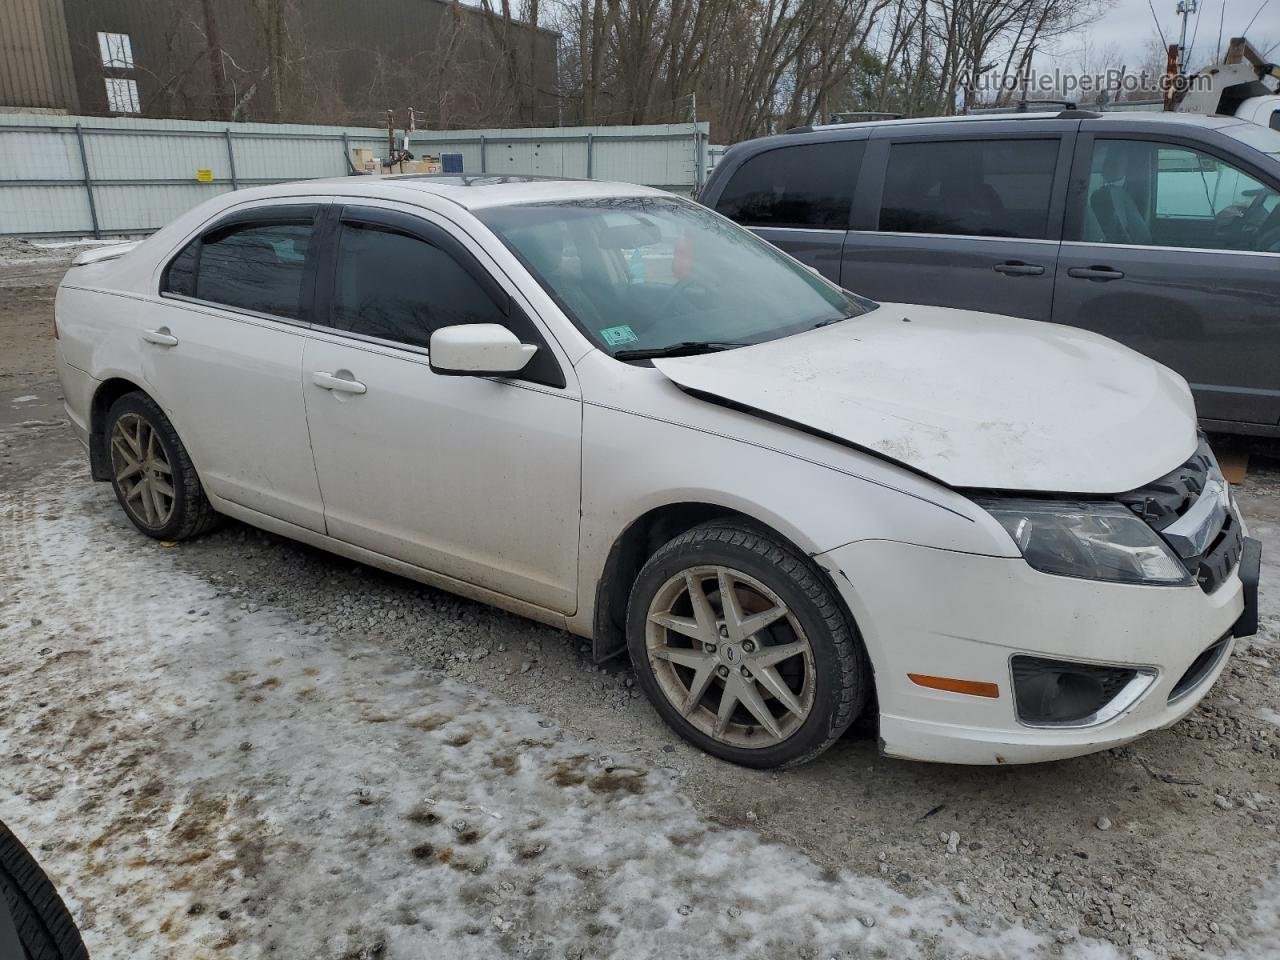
[(742, 647), (152, 474)]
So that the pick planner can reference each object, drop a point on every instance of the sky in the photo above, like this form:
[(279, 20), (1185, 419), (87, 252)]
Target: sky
[(1128, 27)]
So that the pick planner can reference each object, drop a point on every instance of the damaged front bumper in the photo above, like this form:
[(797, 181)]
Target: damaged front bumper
[(940, 613)]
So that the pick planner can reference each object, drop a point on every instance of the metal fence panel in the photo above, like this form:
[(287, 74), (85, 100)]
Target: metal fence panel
[(119, 175)]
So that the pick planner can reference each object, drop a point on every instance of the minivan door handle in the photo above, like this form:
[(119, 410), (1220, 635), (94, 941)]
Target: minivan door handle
[(1016, 268), (161, 337), (338, 384), (1095, 273)]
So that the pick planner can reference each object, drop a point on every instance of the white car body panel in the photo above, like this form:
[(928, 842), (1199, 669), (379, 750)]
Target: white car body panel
[(392, 460), (947, 393), (515, 493)]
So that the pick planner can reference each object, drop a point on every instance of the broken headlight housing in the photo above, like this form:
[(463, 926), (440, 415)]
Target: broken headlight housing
[(1092, 541)]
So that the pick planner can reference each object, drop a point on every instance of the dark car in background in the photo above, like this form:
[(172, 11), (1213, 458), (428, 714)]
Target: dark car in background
[(1161, 231)]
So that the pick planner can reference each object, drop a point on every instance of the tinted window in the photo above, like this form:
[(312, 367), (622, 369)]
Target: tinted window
[(808, 185), (1148, 193), (255, 266), (396, 287), (180, 277), (980, 188)]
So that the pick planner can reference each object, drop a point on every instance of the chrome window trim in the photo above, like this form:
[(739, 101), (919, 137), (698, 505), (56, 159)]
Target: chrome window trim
[(1142, 246), (769, 226), (238, 311), (956, 236)]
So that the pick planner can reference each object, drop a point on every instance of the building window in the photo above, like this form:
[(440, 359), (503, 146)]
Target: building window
[(116, 50), (122, 96)]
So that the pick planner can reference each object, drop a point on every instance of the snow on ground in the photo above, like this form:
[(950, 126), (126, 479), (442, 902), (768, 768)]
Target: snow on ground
[(207, 779)]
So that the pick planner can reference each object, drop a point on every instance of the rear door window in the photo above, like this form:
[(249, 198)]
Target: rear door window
[(979, 188), (256, 266), (806, 185)]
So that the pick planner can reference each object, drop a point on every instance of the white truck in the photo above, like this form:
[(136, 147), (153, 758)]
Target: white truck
[(1242, 86)]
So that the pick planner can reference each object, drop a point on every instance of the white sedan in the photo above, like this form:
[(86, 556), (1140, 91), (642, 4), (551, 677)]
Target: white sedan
[(607, 408)]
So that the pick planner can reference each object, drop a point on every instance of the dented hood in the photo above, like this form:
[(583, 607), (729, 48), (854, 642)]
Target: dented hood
[(971, 399)]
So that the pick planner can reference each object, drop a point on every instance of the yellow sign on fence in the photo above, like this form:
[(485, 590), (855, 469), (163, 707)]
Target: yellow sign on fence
[(204, 176)]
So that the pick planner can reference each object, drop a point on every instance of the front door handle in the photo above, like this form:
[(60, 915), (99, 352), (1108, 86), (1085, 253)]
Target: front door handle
[(338, 384), (1016, 268), (161, 337), (1095, 273)]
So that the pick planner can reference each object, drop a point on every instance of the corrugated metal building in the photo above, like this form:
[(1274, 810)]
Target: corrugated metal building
[(314, 61), (35, 56)]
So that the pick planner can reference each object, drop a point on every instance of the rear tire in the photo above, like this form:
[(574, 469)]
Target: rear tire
[(152, 473), (41, 920), (770, 679)]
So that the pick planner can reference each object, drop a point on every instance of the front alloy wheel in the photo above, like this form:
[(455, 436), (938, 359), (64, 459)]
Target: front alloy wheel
[(741, 645), (729, 655)]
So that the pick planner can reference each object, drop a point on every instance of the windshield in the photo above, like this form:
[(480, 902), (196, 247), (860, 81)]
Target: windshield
[(649, 273)]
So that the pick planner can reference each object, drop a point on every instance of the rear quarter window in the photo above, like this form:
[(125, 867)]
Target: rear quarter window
[(806, 185)]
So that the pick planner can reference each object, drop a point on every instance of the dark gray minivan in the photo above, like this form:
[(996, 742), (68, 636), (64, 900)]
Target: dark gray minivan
[(1161, 231)]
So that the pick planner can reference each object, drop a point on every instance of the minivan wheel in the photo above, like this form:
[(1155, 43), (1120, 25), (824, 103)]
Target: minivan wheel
[(152, 474), (742, 647)]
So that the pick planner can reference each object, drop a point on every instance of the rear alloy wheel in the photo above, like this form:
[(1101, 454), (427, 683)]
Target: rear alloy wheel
[(142, 471), (742, 647), (152, 474)]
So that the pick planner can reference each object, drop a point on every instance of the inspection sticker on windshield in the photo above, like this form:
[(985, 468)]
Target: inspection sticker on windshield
[(617, 336)]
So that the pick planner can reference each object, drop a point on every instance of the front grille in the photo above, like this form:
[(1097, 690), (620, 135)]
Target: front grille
[(1217, 563), (1200, 668), (1163, 502)]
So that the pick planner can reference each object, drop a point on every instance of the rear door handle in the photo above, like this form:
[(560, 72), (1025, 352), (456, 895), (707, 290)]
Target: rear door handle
[(1095, 273), (161, 337), (338, 384), (1016, 268)]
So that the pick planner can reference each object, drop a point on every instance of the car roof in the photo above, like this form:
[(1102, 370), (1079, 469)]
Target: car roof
[(1112, 116), (470, 192), (865, 128)]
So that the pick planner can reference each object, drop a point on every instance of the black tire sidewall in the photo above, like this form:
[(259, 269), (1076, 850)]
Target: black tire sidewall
[(819, 729), (143, 406)]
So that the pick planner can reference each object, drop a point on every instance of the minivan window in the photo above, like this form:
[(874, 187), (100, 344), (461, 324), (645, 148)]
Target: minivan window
[(980, 188), (396, 287), (806, 185), (1148, 193), (249, 266)]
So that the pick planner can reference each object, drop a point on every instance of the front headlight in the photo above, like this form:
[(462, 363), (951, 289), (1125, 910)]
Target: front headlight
[(1094, 541)]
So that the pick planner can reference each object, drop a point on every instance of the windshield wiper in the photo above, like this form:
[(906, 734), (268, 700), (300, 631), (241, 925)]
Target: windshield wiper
[(686, 348), (826, 323)]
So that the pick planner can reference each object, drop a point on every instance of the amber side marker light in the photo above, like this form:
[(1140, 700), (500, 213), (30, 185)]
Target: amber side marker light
[(974, 688)]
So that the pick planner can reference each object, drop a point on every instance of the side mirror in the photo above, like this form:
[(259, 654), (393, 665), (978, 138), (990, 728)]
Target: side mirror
[(478, 350)]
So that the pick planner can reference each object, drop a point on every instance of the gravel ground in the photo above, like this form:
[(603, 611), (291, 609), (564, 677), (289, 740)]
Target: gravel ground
[(1166, 847)]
